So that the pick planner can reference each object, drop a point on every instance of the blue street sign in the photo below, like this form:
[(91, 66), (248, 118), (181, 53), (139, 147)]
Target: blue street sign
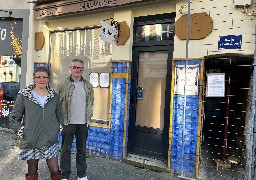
[(230, 42)]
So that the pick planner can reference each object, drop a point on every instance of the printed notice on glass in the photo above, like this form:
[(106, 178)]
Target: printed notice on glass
[(94, 79), (192, 79), (215, 85), (104, 80)]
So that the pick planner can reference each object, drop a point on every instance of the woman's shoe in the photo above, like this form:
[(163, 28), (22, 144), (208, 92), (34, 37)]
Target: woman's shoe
[(56, 177), (33, 177)]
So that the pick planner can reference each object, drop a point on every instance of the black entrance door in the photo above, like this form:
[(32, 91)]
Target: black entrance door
[(150, 102), (150, 86)]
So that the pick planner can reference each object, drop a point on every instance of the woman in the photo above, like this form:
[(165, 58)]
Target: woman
[(36, 118)]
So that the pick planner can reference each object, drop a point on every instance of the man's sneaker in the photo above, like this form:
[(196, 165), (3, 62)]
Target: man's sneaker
[(83, 178)]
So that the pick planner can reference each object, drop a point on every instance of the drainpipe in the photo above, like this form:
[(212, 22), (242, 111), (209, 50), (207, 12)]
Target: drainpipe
[(31, 45), (252, 123)]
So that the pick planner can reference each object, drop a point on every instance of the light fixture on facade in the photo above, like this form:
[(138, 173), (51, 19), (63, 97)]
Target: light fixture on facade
[(244, 6), (242, 2), (246, 10)]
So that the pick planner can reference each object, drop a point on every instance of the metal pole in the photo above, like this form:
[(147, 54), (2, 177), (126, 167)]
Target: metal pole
[(185, 99), (251, 149)]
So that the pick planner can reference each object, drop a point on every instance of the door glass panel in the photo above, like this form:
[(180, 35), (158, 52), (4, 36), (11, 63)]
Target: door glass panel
[(154, 32), (152, 78)]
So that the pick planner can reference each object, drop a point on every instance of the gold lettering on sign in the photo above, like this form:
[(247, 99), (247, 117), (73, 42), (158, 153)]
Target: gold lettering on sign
[(97, 4), (64, 8)]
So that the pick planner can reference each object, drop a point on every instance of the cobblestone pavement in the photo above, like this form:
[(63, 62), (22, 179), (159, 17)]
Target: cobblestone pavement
[(98, 168)]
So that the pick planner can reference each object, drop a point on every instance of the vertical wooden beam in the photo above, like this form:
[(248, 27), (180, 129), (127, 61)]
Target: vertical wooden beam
[(126, 109), (199, 127), (171, 114)]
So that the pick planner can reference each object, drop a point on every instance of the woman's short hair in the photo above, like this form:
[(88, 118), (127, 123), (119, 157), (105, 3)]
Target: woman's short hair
[(41, 69)]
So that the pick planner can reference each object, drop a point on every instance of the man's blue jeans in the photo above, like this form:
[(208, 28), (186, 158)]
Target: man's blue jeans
[(80, 131)]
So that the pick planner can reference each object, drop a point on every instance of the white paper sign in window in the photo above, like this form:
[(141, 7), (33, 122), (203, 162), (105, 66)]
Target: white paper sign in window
[(215, 85), (192, 79), (94, 79), (104, 80)]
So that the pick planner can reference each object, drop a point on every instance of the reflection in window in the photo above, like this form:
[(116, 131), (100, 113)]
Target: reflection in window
[(167, 31), (140, 33), (152, 33), (155, 32), (106, 48), (10, 73), (96, 54), (80, 44)]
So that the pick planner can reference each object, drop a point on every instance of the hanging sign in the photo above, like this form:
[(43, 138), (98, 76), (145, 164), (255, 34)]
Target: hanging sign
[(192, 79), (109, 32), (11, 37), (123, 33), (55, 8), (215, 85)]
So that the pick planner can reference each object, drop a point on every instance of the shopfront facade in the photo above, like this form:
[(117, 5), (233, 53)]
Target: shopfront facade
[(143, 114)]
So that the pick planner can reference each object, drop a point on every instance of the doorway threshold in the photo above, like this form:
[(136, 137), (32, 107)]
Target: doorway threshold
[(146, 162)]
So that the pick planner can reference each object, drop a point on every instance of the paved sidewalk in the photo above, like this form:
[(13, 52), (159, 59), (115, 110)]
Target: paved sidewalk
[(98, 168)]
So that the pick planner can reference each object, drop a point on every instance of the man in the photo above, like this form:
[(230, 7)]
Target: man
[(76, 96)]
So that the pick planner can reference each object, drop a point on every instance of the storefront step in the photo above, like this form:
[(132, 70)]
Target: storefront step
[(146, 162)]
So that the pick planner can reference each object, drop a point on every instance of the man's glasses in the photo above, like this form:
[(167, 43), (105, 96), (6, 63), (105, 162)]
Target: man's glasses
[(42, 77), (78, 68)]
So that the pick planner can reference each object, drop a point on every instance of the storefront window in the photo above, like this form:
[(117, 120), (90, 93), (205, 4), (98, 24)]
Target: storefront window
[(167, 31), (96, 54)]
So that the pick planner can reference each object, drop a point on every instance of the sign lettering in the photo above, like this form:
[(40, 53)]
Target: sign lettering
[(230, 42), (3, 34), (11, 37), (62, 8), (192, 79)]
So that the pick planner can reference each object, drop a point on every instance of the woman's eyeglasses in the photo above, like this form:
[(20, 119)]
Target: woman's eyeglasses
[(42, 77)]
